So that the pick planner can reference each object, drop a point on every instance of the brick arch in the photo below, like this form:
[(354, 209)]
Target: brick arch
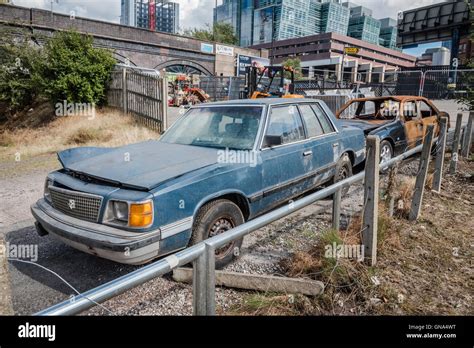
[(184, 63)]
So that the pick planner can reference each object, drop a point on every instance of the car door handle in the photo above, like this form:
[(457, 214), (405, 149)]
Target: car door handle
[(335, 145), (308, 153)]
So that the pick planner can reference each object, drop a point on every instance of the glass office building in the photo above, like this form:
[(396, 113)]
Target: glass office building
[(286, 19), (388, 33), (364, 28), (334, 18)]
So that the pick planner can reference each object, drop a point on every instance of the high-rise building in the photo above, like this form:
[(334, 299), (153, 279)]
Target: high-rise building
[(161, 15), (364, 28), (388, 33), (286, 19), (334, 18)]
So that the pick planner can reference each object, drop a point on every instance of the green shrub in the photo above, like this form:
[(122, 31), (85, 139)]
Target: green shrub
[(75, 70), (20, 65)]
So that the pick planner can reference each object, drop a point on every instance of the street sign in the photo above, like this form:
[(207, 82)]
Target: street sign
[(351, 50)]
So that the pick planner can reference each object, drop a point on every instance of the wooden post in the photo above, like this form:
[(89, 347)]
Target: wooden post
[(336, 210), (422, 174), (371, 199), (391, 188), (466, 145), (124, 91), (454, 153), (440, 150)]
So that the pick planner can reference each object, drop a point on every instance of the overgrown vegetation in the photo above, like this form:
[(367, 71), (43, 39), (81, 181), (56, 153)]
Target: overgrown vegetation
[(219, 32), (68, 68), (294, 63), (422, 267), (74, 70)]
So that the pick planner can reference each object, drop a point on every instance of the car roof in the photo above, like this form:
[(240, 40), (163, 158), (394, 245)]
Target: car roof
[(260, 101), (399, 98)]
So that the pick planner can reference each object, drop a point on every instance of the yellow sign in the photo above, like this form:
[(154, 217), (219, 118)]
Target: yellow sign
[(351, 50)]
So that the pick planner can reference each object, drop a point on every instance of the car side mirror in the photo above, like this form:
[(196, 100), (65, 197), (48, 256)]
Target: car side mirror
[(272, 140)]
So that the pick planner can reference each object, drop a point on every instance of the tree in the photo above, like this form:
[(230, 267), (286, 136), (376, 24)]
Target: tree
[(294, 63), (219, 32), (20, 66), (76, 71)]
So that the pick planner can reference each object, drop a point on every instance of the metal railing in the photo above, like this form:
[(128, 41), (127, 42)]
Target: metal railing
[(203, 254)]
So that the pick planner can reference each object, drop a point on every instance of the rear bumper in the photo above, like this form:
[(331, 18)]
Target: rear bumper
[(104, 241)]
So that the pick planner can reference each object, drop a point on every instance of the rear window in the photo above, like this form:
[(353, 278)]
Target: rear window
[(323, 119)]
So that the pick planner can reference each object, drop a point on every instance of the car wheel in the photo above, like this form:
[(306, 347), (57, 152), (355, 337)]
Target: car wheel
[(343, 171), (386, 151), (215, 218)]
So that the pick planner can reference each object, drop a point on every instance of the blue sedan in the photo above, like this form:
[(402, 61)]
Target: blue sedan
[(219, 165)]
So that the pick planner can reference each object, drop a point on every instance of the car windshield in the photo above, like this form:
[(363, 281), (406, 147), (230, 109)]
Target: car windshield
[(371, 109), (233, 127)]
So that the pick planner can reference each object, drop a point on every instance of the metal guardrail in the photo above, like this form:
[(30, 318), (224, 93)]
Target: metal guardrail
[(203, 255)]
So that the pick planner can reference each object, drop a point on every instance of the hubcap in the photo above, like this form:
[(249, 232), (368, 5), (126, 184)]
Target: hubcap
[(385, 153), (219, 226)]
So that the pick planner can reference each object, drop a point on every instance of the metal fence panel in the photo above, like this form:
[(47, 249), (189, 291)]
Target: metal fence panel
[(221, 88), (447, 84)]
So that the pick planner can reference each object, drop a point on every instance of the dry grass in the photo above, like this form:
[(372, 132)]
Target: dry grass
[(423, 268), (109, 128)]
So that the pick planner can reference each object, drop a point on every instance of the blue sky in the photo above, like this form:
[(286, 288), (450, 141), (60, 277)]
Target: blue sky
[(418, 51)]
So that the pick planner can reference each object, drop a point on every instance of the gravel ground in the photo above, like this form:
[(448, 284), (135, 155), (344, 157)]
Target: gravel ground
[(34, 289)]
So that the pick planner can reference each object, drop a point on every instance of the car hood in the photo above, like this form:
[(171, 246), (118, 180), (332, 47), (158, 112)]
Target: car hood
[(142, 165), (366, 126)]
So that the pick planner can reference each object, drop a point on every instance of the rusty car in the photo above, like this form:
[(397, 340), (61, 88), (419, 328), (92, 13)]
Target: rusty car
[(399, 121)]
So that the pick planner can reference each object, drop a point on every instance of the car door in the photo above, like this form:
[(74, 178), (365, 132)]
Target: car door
[(323, 141), (284, 166), (412, 123), (428, 116)]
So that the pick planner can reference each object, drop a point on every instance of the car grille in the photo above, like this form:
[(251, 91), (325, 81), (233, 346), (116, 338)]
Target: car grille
[(84, 206)]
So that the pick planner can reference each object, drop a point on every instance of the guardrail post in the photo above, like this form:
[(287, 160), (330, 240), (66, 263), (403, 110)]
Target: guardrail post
[(440, 150), (204, 283), (210, 280), (466, 145), (336, 210), (124, 91), (454, 152), (422, 174), (371, 197), (199, 286)]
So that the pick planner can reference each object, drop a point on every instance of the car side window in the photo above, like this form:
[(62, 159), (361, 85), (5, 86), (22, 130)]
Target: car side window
[(313, 127), (285, 121), (410, 111), (425, 109), (323, 119)]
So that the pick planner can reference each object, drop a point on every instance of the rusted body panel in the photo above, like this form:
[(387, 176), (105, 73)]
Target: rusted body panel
[(401, 120)]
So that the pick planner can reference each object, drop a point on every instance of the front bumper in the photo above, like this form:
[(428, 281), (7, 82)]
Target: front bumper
[(104, 241)]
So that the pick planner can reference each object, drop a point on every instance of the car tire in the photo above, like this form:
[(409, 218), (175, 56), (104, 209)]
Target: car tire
[(343, 171), (386, 151), (214, 218)]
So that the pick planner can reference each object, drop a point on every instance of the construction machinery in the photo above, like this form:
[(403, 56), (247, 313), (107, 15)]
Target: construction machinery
[(184, 93), (260, 80)]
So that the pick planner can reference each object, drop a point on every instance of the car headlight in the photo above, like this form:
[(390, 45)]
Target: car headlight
[(129, 214), (47, 193)]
